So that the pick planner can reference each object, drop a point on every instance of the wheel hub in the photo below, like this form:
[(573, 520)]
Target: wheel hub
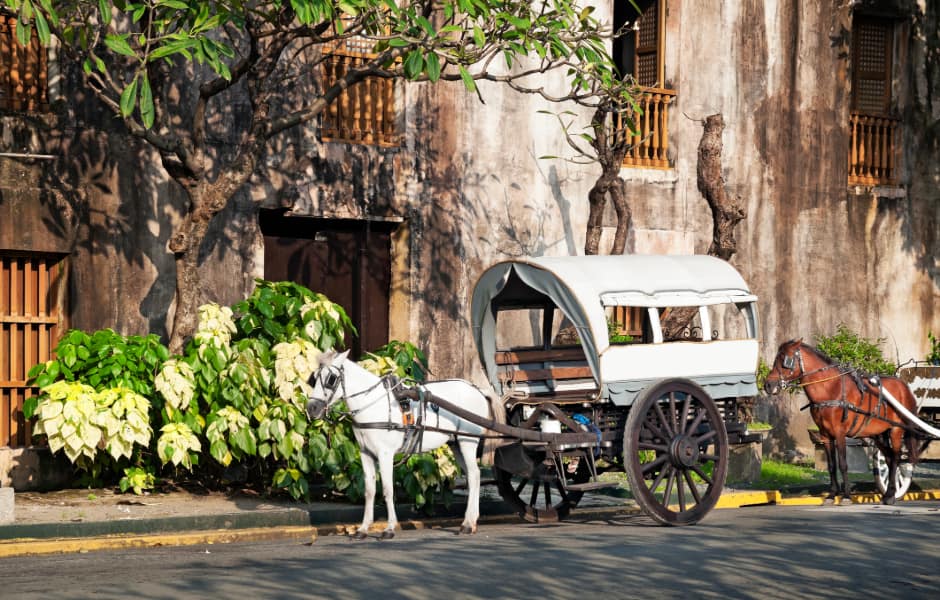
[(683, 451)]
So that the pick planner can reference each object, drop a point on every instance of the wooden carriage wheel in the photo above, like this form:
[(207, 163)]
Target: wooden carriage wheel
[(541, 498), (675, 452)]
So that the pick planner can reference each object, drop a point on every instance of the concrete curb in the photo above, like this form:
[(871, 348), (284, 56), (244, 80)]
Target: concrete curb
[(299, 525), (309, 533)]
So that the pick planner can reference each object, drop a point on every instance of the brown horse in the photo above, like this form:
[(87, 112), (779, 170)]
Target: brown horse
[(845, 404)]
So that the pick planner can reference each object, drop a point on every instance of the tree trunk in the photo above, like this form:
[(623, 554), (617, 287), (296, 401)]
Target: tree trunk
[(624, 217), (597, 199), (727, 211)]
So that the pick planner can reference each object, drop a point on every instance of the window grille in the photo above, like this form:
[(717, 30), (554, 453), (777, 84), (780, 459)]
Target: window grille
[(874, 132), (23, 71), (29, 330), (363, 113)]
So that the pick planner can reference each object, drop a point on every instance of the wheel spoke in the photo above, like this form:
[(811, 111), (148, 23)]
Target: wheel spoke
[(672, 411), (522, 484), (663, 421), (692, 487), (535, 494), (547, 487), (699, 416), (647, 467), (652, 446), (659, 478), (685, 409), (681, 490), (706, 436), (669, 483), (701, 473)]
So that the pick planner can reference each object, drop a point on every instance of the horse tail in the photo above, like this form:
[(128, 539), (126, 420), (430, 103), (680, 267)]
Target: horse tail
[(910, 436)]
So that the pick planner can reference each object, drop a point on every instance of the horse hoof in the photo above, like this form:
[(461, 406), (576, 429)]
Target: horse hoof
[(387, 534), (359, 535), (467, 530), (846, 501), (829, 501)]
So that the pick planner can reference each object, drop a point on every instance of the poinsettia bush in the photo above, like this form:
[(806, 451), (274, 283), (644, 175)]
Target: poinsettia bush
[(122, 407)]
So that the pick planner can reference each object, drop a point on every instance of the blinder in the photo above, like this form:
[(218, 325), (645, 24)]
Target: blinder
[(788, 362)]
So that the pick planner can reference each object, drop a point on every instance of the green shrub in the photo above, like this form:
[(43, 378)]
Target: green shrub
[(848, 348), (237, 393)]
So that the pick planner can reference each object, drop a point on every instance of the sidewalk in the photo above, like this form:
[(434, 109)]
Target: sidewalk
[(87, 520)]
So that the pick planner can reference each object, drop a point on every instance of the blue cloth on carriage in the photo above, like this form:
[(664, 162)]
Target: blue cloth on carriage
[(586, 422)]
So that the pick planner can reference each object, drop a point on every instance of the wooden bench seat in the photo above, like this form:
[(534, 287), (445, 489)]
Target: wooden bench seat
[(561, 373)]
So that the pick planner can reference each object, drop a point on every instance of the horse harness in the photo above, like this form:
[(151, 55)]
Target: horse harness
[(413, 412), (858, 424)]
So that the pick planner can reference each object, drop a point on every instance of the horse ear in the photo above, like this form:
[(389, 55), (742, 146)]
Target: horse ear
[(340, 358)]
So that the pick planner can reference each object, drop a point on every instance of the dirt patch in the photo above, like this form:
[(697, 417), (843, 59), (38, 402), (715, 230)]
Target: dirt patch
[(105, 505)]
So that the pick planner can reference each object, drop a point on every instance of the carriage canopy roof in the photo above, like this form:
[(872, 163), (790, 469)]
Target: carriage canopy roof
[(581, 286)]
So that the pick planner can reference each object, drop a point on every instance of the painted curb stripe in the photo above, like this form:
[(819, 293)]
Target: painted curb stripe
[(26, 547)]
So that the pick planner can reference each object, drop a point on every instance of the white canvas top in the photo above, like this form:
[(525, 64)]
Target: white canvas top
[(581, 286)]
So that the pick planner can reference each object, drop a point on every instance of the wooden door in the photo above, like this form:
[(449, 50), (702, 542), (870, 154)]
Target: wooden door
[(347, 260)]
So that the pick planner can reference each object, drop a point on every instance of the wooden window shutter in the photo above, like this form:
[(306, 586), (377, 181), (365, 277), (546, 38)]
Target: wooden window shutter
[(23, 71), (30, 325), (364, 113), (871, 65), (648, 64)]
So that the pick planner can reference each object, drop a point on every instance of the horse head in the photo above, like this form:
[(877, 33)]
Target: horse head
[(327, 384), (787, 368)]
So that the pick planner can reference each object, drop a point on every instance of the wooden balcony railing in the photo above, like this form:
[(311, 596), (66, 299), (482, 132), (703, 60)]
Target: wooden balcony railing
[(363, 113), (22, 71), (651, 142), (873, 153)]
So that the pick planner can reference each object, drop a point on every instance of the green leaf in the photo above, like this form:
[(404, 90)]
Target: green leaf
[(146, 102), (433, 67), (42, 28), (425, 24), (29, 406), (23, 33), (104, 7), (128, 99), (479, 38), (119, 45), (467, 79)]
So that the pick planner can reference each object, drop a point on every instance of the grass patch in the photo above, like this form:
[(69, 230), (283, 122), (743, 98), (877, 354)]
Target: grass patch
[(775, 474)]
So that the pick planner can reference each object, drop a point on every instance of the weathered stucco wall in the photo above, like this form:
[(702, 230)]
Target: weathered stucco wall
[(470, 189), (817, 252)]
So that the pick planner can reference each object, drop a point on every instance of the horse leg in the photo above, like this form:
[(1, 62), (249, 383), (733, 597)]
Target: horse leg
[(893, 455), (831, 465), (386, 458), (844, 468), (368, 475), (468, 450)]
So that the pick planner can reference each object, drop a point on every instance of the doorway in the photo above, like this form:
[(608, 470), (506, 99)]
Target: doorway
[(347, 260)]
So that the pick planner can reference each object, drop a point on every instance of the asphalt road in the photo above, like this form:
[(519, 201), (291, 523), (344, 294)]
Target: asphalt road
[(758, 552)]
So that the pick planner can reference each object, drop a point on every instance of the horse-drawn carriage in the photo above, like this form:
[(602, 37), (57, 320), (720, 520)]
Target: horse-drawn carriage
[(632, 363)]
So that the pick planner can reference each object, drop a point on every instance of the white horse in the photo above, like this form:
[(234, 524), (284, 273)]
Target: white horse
[(377, 424)]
